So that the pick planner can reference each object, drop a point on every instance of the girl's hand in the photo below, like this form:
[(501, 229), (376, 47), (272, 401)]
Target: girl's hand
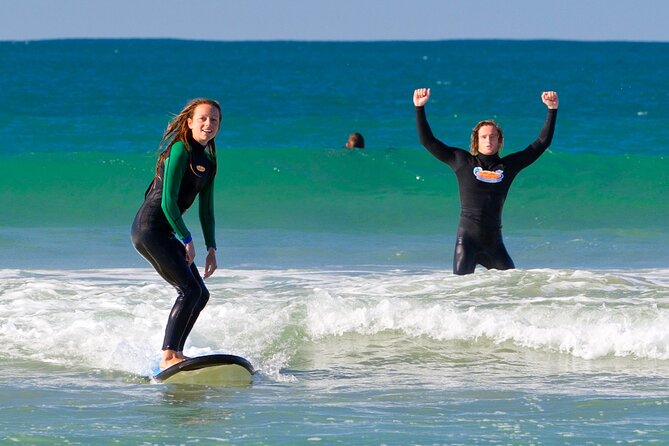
[(190, 252), (210, 263)]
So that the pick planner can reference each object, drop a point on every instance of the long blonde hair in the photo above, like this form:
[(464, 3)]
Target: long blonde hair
[(474, 144), (178, 130)]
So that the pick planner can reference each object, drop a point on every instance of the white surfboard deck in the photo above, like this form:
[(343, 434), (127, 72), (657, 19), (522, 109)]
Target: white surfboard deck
[(209, 370)]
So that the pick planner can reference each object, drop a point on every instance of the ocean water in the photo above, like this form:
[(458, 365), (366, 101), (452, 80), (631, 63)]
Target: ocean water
[(334, 276)]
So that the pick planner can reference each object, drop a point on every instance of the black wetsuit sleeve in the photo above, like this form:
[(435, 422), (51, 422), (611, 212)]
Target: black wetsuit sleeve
[(441, 151), (539, 146)]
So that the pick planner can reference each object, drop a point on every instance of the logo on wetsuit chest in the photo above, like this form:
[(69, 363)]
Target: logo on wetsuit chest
[(488, 176), (200, 168)]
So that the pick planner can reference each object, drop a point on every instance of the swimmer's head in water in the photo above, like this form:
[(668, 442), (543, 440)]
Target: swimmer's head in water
[(355, 141), (487, 138)]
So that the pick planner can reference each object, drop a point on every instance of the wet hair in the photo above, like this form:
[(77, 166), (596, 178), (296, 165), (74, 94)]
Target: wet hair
[(474, 146), (355, 141), (178, 130)]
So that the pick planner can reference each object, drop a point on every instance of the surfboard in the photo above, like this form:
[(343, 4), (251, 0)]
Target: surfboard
[(209, 370)]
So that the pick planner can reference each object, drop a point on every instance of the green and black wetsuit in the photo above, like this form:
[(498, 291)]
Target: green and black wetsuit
[(159, 232), (484, 182)]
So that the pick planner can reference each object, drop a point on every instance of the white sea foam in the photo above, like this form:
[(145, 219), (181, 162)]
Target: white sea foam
[(114, 319)]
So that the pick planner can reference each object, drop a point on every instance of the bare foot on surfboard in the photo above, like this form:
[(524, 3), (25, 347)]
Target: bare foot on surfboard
[(170, 357)]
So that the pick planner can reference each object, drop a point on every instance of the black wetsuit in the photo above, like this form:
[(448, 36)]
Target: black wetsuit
[(484, 182), (159, 222)]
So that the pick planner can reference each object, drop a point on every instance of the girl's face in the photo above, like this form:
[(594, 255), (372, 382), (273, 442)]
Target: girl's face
[(205, 123)]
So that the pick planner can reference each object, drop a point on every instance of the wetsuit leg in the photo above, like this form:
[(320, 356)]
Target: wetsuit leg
[(464, 257), (476, 245), (167, 255), (495, 255), (199, 306)]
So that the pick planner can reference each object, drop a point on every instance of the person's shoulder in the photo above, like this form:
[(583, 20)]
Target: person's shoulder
[(179, 145), (462, 153), (178, 149)]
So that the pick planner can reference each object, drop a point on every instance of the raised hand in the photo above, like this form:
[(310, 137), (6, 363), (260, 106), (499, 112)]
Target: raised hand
[(421, 96), (550, 98)]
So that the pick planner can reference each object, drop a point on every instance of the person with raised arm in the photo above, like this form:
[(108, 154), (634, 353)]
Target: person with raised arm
[(484, 179)]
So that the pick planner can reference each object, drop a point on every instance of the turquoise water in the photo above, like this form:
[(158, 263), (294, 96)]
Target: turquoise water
[(335, 266)]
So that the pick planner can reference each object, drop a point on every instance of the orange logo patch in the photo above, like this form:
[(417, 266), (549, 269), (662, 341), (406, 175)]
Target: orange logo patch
[(200, 168), (488, 176)]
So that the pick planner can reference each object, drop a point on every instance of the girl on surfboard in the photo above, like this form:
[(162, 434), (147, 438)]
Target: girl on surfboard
[(484, 179), (185, 170)]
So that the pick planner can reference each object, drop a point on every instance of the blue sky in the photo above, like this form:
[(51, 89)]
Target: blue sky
[(637, 20)]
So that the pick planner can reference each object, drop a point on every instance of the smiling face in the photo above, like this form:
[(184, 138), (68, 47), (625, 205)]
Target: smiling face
[(488, 140), (204, 123)]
